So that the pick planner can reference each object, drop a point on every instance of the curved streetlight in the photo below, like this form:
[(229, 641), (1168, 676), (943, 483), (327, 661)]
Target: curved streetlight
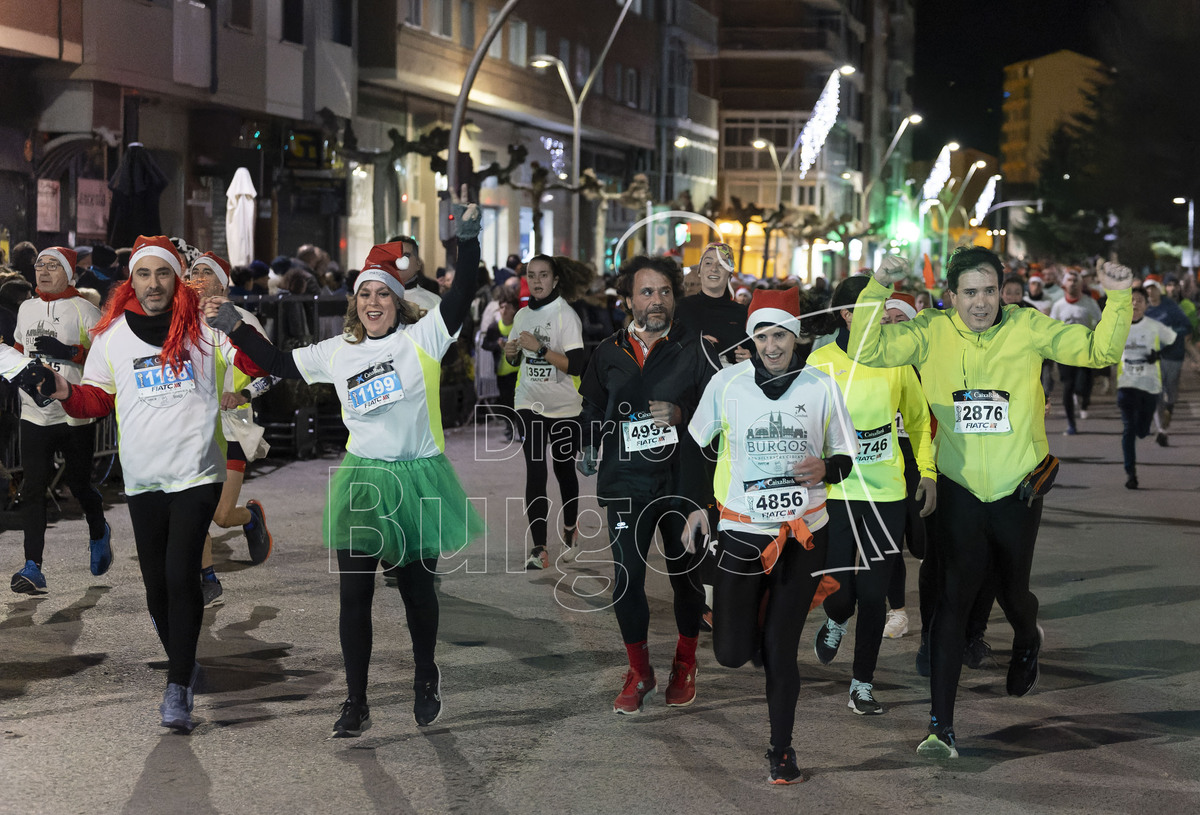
[(541, 62), (769, 146), (911, 119), (947, 214)]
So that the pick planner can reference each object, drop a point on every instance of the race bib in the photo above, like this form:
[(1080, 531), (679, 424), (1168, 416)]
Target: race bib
[(643, 434), (539, 371), (1135, 369), (874, 445), (981, 411), (158, 385), (775, 500), (52, 363), (373, 388)]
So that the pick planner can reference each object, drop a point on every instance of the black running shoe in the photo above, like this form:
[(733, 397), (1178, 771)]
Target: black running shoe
[(428, 705), (258, 537), (976, 653), (829, 638), (783, 767), (355, 718), (1024, 670)]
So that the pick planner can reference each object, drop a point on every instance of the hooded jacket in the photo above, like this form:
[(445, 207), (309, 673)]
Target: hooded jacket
[(951, 358)]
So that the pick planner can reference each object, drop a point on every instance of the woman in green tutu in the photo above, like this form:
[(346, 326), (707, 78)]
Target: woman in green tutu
[(395, 496)]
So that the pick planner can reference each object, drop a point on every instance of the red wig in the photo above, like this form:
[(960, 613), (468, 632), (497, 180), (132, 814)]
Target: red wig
[(185, 320)]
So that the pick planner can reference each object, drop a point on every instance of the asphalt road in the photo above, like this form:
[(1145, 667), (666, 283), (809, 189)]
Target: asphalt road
[(531, 663)]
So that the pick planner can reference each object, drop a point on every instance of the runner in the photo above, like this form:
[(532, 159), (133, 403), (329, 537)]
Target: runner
[(1075, 308), (156, 364), (53, 327), (1139, 381), (979, 366), (868, 510), (546, 342), (784, 433), (641, 386), (386, 373), (209, 277)]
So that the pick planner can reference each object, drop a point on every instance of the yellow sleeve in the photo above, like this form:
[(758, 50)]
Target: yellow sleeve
[(915, 412), (1083, 347), (884, 346)]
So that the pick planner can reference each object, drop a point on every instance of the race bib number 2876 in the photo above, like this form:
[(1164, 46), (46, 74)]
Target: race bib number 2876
[(981, 411)]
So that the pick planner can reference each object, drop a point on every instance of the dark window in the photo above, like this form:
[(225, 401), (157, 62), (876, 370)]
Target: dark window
[(343, 22), (293, 21), (241, 14)]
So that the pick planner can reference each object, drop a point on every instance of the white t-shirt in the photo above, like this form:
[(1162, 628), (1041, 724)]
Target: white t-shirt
[(67, 320), (761, 438), (1135, 370), (541, 387), (11, 361), (422, 298), (167, 421), (389, 388), (1083, 311)]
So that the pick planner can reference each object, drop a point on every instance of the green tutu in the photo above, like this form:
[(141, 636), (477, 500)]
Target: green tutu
[(399, 511)]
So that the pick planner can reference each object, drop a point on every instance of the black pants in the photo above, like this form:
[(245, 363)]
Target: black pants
[(563, 437), (1137, 412), (738, 632), (971, 537), (915, 527), (38, 445), (169, 530), (1075, 382), (631, 529), (864, 545), (356, 575)]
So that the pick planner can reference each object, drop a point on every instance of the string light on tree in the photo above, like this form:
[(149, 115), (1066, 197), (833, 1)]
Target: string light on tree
[(940, 173), (985, 199)]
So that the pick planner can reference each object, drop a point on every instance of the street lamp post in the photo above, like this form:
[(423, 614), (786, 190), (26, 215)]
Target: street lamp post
[(545, 61), (912, 119), (947, 214), (769, 146), (1191, 205)]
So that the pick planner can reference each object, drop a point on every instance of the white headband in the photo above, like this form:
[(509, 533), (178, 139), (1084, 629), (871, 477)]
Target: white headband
[(158, 252), (774, 316), (901, 306), (383, 277)]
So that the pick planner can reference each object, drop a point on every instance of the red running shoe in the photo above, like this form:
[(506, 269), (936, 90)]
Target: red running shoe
[(637, 690), (681, 687)]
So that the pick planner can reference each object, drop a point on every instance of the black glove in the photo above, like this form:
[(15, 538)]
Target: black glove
[(37, 381), (55, 349), (1153, 358), (587, 461), (227, 319)]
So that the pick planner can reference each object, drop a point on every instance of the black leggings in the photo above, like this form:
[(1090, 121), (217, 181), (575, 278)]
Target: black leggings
[(738, 633), (1076, 382), (169, 530), (973, 536), (915, 527), (38, 444), (563, 437), (631, 530), (356, 574), (863, 548)]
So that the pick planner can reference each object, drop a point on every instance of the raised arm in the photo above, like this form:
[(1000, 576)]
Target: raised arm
[(456, 304), (878, 345)]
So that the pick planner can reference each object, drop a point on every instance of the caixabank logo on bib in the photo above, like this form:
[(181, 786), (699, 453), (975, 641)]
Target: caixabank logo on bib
[(775, 442)]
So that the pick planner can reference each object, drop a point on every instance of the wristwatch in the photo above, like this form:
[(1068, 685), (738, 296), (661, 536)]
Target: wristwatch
[(541, 351)]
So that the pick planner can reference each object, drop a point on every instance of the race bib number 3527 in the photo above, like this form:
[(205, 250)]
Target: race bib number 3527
[(981, 411)]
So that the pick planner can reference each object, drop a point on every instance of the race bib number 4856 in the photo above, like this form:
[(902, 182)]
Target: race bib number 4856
[(981, 411), (778, 499)]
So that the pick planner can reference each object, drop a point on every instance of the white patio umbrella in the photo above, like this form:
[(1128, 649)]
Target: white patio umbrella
[(239, 218)]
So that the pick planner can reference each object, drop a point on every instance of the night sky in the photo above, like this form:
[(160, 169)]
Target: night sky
[(962, 47)]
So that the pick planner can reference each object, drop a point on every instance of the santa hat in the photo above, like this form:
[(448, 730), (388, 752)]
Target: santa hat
[(66, 258), (904, 303), (384, 263), (1153, 280), (218, 265), (740, 291), (724, 255), (1036, 279), (779, 307), (158, 246)]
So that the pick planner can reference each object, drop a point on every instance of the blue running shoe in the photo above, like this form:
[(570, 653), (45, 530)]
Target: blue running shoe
[(29, 580), (101, 550), (175, 709)]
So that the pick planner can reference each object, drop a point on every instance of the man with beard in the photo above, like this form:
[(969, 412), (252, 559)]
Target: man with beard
[(639, 390)]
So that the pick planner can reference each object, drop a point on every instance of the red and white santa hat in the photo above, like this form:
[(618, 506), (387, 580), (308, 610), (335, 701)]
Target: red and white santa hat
[(1036, 277), (1153, 280), (904, 303), (384, 263), (66, 258), (219, 266), (779, 307), (158, 246)]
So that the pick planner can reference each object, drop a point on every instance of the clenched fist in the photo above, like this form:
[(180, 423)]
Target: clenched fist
[(892, 269)]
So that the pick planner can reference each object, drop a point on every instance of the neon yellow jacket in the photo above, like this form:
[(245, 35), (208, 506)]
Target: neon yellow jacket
[(872, 396), (1008, 356)]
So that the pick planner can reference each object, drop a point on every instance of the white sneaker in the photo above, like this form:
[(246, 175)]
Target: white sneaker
[(1083, 414), (896, 625)]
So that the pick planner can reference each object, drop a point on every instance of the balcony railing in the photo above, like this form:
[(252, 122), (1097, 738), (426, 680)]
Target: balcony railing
[(794, 40)]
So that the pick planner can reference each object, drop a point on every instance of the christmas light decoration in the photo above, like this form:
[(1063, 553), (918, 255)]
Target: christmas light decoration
[(938, 176), (816, 130), (985, 199)]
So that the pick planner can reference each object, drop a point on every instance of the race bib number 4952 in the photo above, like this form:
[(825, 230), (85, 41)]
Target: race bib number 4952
[(643, 434), (981, 411)]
